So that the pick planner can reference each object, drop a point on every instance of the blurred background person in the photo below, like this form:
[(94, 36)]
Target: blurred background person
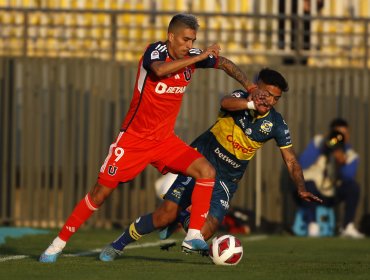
[(329, 165)]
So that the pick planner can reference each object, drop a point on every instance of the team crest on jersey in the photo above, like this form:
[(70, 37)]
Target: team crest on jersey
[(112, 170), (187, 74), (154, 54), (266, 126)]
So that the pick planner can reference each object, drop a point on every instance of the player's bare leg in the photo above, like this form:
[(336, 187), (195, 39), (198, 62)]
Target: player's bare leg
[(210, 227), (164, 215)]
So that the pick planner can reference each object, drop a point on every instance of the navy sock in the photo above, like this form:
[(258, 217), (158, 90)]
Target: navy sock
[(184, 219), (135, 231)]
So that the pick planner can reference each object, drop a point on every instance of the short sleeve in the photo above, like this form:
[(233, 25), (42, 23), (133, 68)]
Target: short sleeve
[(282, 134), (239, 93), (209, 62), (154, 52)]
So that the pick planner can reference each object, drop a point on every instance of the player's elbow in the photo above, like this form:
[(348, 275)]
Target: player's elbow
[(159, 73), (227, 103), (223, 103), (159, 69)]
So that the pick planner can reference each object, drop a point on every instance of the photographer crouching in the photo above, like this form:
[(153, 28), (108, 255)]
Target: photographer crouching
[(329, 166)]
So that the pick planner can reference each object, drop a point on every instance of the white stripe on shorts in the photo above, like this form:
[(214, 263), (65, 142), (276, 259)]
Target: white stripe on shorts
[(112, 146), (226, 189)]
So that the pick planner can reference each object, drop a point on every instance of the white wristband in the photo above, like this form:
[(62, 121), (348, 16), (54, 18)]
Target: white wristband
[(250, 105)]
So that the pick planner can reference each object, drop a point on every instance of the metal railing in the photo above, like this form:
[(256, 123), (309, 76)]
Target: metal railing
[(121, 35)]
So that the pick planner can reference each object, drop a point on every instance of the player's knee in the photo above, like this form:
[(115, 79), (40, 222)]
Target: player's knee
[(206, 171), (201, 169), (99, 193), (165, 214), (209, 172)]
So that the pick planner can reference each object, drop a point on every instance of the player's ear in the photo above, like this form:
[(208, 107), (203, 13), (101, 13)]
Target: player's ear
[(171, 36)]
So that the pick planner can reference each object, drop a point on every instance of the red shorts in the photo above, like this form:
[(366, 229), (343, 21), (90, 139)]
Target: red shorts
[(129, 155)]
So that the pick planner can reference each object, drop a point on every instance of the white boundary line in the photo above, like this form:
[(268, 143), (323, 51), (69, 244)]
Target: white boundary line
[(10, 258), (136, 246), (144, 245)]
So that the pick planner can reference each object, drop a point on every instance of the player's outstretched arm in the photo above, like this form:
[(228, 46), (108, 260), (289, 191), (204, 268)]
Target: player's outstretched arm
[(255, 101), (295, 172), (232, 103), (163, 68), (235, 72)]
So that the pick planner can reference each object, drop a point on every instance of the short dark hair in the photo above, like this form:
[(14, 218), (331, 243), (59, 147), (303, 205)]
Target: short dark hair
[(338, 122), (183, 20), (272, 77)]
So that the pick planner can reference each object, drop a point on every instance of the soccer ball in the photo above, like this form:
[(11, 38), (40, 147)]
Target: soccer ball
[(226, 250)]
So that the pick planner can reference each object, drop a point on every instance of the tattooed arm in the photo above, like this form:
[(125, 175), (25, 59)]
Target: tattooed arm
[(296, 174), (235, 72), (256, 95)]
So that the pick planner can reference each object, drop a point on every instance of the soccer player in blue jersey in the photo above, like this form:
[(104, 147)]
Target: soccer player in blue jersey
[(228, 145)]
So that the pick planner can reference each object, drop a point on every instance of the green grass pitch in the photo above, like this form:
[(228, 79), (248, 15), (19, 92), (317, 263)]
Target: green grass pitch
[(265, 257)]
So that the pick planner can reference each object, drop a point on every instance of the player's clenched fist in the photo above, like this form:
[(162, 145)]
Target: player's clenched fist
[(259, 98)]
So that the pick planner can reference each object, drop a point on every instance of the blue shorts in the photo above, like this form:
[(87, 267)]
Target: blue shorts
[(182, 188)]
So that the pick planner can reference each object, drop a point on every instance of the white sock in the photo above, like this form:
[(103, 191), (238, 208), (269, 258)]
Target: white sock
[(56, 246), (193, 233)]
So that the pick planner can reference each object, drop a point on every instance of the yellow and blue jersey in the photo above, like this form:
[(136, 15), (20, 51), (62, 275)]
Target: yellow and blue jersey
[(236, 136), (229, 145)]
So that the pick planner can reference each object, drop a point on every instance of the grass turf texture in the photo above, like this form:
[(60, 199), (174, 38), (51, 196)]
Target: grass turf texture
[(273, 257)]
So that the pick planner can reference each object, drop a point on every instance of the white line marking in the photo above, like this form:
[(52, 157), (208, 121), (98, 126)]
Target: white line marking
[(144, 245), (133, 246), (255, 238), (10, 258)]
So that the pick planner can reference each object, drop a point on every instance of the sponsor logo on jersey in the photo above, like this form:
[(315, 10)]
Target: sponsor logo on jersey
[(266, 126), (234, 139), (226, 159), (163, 88), (238, 146), (154, 54)]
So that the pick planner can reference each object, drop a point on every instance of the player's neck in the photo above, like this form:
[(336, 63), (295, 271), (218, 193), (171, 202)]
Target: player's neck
[(171, 53)]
